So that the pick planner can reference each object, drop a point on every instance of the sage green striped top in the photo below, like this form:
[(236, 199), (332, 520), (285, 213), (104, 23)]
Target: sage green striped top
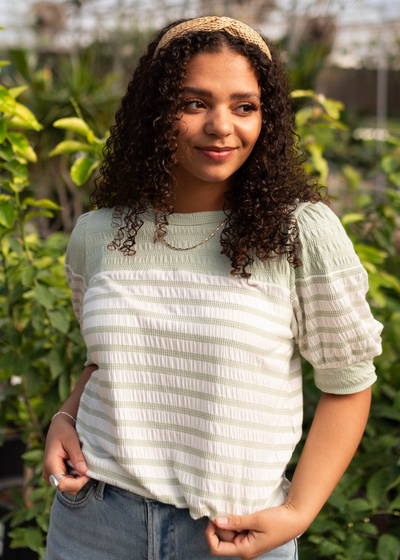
[(197, 401)]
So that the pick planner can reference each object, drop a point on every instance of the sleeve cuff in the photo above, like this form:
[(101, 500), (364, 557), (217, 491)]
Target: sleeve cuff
[(346, 380), (89, 361)]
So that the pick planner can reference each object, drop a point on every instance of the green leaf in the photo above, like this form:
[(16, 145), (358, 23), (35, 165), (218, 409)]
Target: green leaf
[(322, 525), (370, 254), (34, 455), (328, 548), (82, 169), (376, 487), (16, 168), (358, 504), (331, 106), (31, 215), (56, 362), (6, 152), (303, 115), (16, 122), (71, 147), (25, 116), (351, 218), (16, 91), (43, 522), (4, 62), (302, 93), (352, 176), (395, 179), (59, 320), (7, 102), (44, 296), (18, 140), (395, 504), (64, 386), (7, 214), (393, 140), (367, 528), (319, 162), (390, 163), (33, 381), (38, 494), (388, 548), (18, 185), (28, 275), (20, 365), (33, 538), (3, 130), (42, 203), (73, 123)]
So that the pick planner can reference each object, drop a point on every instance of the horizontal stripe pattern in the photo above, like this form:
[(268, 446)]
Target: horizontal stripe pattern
[(197, 401)]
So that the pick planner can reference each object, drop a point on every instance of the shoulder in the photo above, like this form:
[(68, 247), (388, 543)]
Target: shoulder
[(318, 215), (317, 223), (91, 222), (325, 245), (84, 233)]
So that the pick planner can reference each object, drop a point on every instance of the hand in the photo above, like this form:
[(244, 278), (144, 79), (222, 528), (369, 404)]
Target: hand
[(62, 443), (258, 533)]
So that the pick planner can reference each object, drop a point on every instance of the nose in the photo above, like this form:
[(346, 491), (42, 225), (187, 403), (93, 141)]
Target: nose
[(219, 122)]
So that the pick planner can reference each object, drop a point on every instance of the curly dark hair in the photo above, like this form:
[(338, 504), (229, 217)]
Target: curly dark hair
[(140, 155)]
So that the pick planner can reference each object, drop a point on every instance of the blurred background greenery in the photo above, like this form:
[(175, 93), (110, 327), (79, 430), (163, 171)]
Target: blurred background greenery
[(65, 66)]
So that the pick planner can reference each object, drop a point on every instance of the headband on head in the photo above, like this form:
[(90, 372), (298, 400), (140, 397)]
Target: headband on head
[(214, 23)]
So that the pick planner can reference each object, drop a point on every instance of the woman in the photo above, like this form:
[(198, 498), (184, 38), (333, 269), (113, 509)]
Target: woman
[(190, 404)]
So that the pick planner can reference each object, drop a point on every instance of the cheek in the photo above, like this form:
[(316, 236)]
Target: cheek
[(251, 132)]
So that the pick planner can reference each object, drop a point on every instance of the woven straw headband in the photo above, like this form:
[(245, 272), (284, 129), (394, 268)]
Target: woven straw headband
[(214, 23)]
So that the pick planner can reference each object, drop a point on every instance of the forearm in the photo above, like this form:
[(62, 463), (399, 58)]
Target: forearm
[(335, 434), (71, 405)]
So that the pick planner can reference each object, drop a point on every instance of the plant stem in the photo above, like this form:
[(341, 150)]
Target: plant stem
[(22, 227), (31, 412)]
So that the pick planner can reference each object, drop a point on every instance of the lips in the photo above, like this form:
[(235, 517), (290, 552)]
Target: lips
[(216, 153)]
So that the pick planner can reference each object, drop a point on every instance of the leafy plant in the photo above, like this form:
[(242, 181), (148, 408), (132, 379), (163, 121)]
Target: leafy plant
[(84, 165), (361, 520), (40, 344)]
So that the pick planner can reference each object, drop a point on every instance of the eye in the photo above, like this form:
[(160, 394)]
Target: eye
[(193, 104), (247, 108)]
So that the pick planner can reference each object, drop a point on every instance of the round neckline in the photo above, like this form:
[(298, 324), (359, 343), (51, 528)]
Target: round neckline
[(190, 218)]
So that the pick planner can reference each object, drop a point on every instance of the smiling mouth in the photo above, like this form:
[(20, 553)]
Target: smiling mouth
[(216, 148), (217, 154)]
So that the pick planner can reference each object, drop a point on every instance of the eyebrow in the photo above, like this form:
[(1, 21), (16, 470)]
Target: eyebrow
[(237, 95)]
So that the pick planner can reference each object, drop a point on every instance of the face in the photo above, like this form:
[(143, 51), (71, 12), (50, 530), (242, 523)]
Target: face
[(220, 120)]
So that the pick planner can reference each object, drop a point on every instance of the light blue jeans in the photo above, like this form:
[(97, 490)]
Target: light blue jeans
[(103, 522)]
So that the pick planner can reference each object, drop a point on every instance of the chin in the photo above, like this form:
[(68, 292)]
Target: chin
[(215, 177)]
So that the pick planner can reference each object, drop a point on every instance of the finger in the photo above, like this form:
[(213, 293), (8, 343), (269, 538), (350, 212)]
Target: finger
[(221, 548), (73, 447), (255, 522), (54, 464), (71, 485), (225, 535)]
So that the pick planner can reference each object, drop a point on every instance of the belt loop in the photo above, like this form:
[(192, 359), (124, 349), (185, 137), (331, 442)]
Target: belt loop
[(99, 489)]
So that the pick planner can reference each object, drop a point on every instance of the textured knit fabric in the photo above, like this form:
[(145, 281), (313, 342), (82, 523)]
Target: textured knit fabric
[(197, 401)]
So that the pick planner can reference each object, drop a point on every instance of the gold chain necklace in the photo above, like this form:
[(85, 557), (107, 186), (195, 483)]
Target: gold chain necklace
[(194, 246)]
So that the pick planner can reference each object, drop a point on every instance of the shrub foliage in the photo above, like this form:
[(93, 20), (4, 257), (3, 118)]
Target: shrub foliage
[(42, 352)]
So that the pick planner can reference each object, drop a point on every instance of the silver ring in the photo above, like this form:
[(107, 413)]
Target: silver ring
[(53, 479)]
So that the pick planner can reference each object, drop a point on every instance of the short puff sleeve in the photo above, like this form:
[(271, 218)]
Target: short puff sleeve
[(332, 321)]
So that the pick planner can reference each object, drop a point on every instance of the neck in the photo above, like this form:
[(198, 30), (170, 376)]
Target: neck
[(199, 196)]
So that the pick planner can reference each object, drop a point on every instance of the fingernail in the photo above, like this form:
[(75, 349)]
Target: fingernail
[(81, 466), (87, 479), (222, 520)]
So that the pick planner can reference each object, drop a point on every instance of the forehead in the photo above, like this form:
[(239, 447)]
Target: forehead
[(225, 70)]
